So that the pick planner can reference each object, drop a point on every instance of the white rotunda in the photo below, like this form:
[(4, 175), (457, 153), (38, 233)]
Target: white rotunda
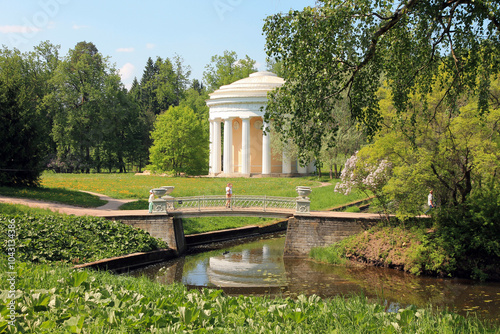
[(246, 149)]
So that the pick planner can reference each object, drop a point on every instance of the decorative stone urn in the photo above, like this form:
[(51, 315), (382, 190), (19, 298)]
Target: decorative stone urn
[(168, 188), (160, 204), (169, 204), (159, 192), (303, 191), (303, 203)]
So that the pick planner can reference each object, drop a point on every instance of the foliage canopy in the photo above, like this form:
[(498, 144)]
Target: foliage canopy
[(340, 50), (23, 121), (180, 143)]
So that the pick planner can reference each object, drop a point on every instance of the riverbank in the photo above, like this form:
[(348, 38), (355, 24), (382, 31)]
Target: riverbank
[(418, 249)]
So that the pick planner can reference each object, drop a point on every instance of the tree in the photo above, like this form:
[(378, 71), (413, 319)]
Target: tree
[(96, 122), (341, 49), (180, 143), (24, 125), (226, 69), (181, 78), (455, 154), (339, 145), (195, 99), (76, 102), (163, 84), (141, 126), (276, 67)]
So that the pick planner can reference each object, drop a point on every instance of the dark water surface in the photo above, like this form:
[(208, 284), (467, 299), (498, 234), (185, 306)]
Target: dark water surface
[(258, 268)]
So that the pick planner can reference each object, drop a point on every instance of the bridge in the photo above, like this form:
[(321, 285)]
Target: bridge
[(236, 206), (305, 229)]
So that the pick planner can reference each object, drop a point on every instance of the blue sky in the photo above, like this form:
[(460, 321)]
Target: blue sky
[(131, 31)]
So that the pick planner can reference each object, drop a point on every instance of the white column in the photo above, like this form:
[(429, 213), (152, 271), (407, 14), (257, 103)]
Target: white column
[(228, 146), (286, 164), (301, 169), (217, 147), (266, 150), (311, 168), (245, 145), (211, 148)]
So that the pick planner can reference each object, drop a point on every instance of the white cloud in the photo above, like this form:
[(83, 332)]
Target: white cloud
[(77, 27), (150, 46), (18, 29), (127, 72), (125, 50)]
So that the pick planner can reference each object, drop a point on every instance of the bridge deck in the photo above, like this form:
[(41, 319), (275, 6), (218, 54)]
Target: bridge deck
[(236, 212)]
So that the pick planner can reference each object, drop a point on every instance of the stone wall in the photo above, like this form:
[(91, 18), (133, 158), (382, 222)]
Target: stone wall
[(164, 227), (307, 232)]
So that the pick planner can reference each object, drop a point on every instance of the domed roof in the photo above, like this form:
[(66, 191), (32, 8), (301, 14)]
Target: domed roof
[(256, 85)]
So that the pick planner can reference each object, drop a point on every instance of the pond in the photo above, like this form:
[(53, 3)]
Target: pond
[(258, 268)]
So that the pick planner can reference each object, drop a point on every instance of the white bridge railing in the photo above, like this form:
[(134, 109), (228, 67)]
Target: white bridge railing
[(264, 203), (236, 202)]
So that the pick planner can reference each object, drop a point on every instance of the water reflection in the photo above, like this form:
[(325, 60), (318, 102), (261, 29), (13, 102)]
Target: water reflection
[(258, 268)]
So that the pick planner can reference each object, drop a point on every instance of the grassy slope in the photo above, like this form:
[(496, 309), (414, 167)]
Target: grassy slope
[(57, 195)]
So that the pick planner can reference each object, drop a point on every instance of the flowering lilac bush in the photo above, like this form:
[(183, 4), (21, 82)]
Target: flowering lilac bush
[(361, 174), (347, 176)]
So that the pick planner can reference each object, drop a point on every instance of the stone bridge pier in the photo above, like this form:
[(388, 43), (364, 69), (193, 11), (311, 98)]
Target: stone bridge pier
[(164, 227), (321, 229)]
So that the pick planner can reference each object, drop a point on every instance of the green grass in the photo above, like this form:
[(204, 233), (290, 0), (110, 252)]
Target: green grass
[(66, 189), (55, 194), (352, 209), (130, 186), (56, 299), (19, 209), (207, 224), (324, 198), (141, 204), (330, 254)]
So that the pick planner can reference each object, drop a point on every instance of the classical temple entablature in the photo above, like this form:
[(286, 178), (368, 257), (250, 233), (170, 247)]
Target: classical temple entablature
[(246, 150)]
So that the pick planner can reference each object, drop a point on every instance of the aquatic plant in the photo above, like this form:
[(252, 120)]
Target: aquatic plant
[(57, 299), (49, 238)]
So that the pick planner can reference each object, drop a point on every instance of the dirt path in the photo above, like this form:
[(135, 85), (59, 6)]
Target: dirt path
[(110, 208), (113, 203)]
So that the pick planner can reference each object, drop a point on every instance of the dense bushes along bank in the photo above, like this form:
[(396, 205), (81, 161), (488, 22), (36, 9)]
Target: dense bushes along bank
[(49, 238)]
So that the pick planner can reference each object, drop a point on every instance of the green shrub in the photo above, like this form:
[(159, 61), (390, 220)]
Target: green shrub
[(44, 238), (470, 232)]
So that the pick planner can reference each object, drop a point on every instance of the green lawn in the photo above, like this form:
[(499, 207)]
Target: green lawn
[(137, 187), (130, 186), (55, 194)]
